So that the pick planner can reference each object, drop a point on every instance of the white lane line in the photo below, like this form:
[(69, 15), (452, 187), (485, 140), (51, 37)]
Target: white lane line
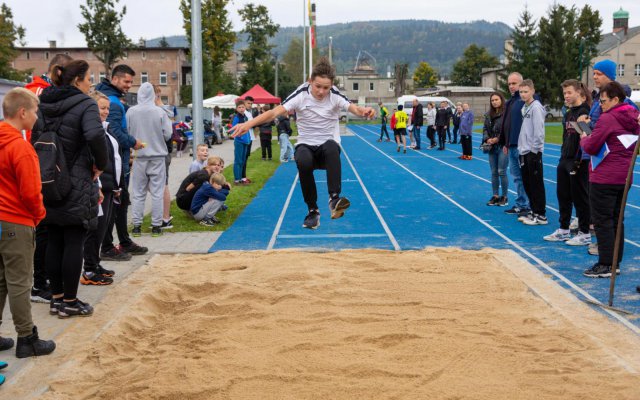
[(524, 251), (392, 238), (631, 242), (274, 235), (333, 235)]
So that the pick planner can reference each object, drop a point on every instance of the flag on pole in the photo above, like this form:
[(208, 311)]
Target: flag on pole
[(312, 23)]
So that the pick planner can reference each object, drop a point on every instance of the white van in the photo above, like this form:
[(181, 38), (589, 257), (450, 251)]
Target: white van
[(407, 102)]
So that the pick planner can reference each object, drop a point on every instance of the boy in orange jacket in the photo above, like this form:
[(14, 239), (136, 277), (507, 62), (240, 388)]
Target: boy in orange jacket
[(21, 209)]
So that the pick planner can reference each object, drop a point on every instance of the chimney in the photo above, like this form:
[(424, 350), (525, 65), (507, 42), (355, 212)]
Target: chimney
[(621, 21), (52, 44)]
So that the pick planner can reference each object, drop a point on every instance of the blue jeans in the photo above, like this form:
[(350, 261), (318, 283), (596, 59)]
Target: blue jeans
[(416, 135), (522, 201), (286, 148), (239, 158), (498, 161)]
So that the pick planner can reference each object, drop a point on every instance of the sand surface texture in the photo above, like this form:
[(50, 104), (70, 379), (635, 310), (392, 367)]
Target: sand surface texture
[(434, 324)]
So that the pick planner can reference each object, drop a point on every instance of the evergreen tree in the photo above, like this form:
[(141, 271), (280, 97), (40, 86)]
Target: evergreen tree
[(9, 35), (425, 76), (466, 71), (523, 55), (589, 24), (257, 56), (163, 42), (103, 33)]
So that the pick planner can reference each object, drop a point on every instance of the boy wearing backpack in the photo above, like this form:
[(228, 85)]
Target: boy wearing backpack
[(21, 209)]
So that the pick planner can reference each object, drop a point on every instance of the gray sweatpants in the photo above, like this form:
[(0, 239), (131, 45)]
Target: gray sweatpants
[(208, 210), (148, 174)]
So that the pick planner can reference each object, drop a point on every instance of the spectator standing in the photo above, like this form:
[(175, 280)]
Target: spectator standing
[(241, 144), (67, 109), (384, 113), (531, 147), (266, 136), (573, 171), (493, 138), (116, 89), (609, 176), (511, 124), (149, 124), (166, 197), (442, 122), (284, 133), (21, 210), (417, 119), (456, 122), (250, 113), (217, 122), (466, 127), (430, 118)]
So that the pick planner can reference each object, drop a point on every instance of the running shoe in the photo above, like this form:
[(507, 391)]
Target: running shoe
[(528, 215), (100, 270), (559, 235), (593, 249), (312, 220), (5, 344), (74, 308), (337, 206), (167, 224), (40, 295), (581, 239), (133, 249), (208, 222), (599, 271), (574, 226), (513, 210), (156, 231), (493, 201), (136, 231), (503, 201), (91, 278), (54, 305), (116, 254), (536, 220)]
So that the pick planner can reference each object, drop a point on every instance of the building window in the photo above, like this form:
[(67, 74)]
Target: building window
[(392, 86), (637, 70), (46, 55), (621, 70), (28, 55), (92, 78), (101, 76), (164, 99), (371, 89), (163, 78), (356, 86), (144, 77)]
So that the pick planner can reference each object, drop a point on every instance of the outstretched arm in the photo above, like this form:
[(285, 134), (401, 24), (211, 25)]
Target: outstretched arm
[(241, 129), (362, 111)]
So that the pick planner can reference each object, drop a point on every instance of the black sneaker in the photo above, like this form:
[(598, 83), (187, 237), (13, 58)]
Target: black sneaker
[(100, 270), (503, 201), (136, 231), (493, 201), (312, 220), (40, 295), (167, 224), (5, 343), (524, 212), (208, 222), (32, 345), (599, 271), (515, 210), (77, 307), (91, 278), (133, 249), (156, 231), (337, 206), (115, 254), (54, 305)]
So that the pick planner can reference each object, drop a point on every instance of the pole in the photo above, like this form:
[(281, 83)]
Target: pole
[(619, 238), (277, 67), (310, 50), (196, 89), (581, 50), (304, 41), (330, 47)]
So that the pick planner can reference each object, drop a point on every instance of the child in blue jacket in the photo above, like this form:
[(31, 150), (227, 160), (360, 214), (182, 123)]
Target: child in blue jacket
[(240, 145), (209, 199)]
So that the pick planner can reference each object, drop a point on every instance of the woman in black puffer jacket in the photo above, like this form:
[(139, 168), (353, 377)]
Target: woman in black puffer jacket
[(83, 140)]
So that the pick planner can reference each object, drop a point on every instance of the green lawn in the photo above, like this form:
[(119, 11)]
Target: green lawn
[(553, 134), (257, 170)]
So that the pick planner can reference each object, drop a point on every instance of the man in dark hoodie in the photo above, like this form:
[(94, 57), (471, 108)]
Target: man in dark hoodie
[(119, 85), (511, 124), (417, 119)]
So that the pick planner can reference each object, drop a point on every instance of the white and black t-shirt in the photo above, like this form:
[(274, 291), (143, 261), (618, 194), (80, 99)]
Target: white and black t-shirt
[(317, 120)]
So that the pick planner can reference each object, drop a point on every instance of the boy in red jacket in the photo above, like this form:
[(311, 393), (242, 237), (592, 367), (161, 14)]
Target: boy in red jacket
[(21, 209)]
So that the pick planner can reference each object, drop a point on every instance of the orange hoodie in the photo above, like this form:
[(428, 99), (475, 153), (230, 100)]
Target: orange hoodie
[(20, 186), (37, 85)]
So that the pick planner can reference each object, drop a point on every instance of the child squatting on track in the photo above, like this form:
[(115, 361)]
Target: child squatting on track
[(317, 104)]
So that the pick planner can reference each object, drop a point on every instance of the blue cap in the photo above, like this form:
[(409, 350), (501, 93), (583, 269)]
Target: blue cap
[(607, 67)]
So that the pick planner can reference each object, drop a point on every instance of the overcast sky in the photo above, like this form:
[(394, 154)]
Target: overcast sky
[(47, 20)]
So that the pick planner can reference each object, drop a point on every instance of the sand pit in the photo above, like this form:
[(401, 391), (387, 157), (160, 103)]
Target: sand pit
[(436, 324)]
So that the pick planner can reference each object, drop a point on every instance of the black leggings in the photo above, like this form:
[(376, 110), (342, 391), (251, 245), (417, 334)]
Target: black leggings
[(265, 143), (95, 237), (309, 158), (465, 140), (64, 259), (39, 256)]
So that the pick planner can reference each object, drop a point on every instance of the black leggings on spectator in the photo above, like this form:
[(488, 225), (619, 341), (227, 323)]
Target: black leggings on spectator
[(64, 259), (573, 191), (606, 201), (119, 219), (309, 158), (95, 237), (39, 256), (265, 143), (465, 141)]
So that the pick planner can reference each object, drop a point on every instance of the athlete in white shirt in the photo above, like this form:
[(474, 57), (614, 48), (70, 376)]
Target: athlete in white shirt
[(317, 104)]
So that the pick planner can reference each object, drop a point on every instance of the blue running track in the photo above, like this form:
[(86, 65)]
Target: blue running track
[(428, 198)]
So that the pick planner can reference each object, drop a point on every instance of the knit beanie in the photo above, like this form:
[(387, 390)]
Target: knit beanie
[(607, 67)]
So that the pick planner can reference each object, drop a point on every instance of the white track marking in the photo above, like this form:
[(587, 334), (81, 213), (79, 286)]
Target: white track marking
[(274, 235)]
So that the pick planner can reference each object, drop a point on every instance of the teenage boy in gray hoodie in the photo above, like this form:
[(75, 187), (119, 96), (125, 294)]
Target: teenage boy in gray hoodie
[(530, 147), (150, 125)]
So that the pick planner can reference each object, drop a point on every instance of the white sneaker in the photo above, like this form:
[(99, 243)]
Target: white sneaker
[(560, 235), (525, 217), (574, 224), (536, 220), (581, 239)]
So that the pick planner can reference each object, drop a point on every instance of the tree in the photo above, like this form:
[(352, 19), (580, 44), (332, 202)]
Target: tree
[(103, 33), (257, 56), (163, 42), (466, 71), (589, 23), (425, 76), (523, 56), (401, 70), (9, 35)]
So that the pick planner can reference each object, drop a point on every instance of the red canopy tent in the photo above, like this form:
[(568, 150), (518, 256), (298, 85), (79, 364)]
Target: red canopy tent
[(261, 96)]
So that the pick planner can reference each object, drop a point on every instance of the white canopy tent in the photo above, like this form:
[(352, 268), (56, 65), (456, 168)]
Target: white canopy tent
[(635, 96), (222, 101)]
